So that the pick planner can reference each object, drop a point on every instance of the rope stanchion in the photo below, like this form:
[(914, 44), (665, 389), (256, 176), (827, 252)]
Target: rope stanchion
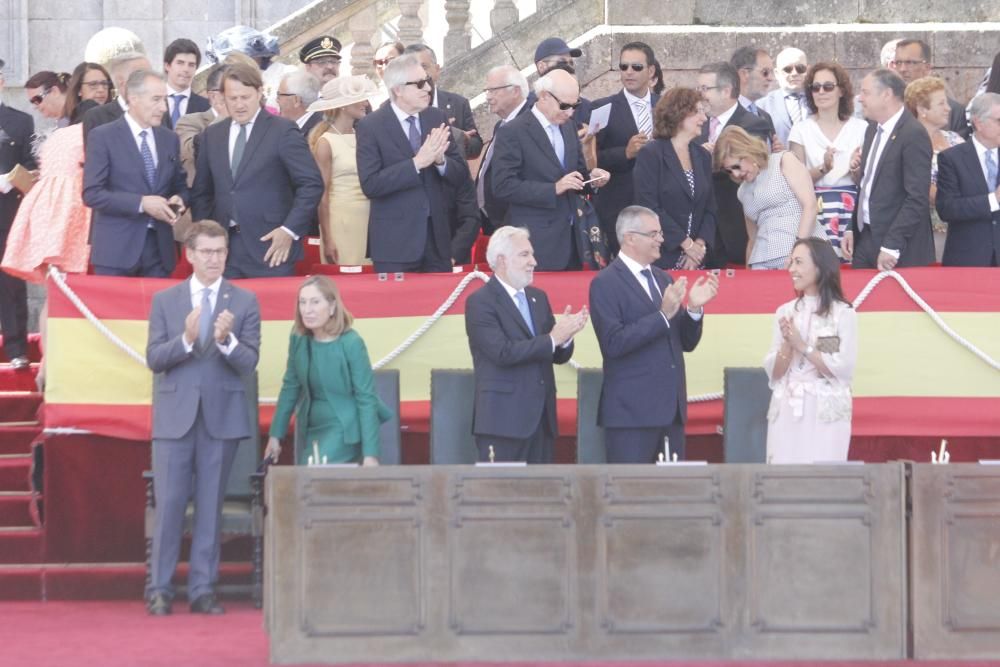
[(59, 279)]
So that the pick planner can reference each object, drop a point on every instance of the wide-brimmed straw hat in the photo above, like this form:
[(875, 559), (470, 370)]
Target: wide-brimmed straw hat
[(344, 91)]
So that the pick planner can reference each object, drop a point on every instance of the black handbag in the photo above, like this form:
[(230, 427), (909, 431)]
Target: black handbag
[(591, 244)]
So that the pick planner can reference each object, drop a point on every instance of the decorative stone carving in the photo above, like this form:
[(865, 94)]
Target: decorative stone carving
[(411, 28), (458, 40), (503, 15), (362, 26)]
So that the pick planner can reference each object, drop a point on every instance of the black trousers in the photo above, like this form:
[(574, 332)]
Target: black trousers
[(643, 445), (431, 262), (537, 448), (13, 310), (150, 264)]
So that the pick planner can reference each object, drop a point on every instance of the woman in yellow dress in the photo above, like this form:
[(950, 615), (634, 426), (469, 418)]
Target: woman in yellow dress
[(343, 211)]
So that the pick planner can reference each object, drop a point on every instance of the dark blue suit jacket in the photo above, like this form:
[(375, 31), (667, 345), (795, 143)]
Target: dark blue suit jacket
[(962, 201), (114, 184), (16, 130), (644, 380), (515, 385), (277, 185), (401, 197), (525, 170), (611, 142), (660, 184)]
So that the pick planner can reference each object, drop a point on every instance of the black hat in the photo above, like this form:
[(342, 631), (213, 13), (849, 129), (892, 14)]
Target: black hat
[(553, 46), (322, 46)]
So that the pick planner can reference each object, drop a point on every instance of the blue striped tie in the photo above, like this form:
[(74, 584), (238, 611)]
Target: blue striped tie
[(147, 160)]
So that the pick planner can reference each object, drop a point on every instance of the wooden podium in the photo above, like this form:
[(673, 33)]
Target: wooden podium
[(586, 562)]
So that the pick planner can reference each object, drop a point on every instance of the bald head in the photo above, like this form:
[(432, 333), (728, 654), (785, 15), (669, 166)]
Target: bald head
[(558, 95), (790, 69)]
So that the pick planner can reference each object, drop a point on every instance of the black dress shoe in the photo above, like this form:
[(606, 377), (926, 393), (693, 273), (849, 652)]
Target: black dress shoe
[(207, 604), (158, 605)]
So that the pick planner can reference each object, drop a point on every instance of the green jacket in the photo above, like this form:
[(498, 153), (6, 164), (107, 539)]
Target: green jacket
[(349, 385)]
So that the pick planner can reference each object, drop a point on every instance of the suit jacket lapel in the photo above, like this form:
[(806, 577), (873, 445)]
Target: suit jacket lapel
[(133, 150), (162, 158), (889, 147), (620, 104), (570, 146), (971, 157), (395, 130), (506, 305), (542, 139), (260, 128), (674, 167), (631, 283)]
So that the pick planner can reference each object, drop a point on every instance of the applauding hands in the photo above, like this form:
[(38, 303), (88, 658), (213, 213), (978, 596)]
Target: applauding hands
[(703, 291)]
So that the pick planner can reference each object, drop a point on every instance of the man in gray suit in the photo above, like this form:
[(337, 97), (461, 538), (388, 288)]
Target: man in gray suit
[(787, 105), (204, 339)]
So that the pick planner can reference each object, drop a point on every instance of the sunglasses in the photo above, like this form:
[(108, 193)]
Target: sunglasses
[(636, 67), (37, 99), (733, 169), (494, 89), (801, 69), (565, 106), (826, 87), (421, 84)]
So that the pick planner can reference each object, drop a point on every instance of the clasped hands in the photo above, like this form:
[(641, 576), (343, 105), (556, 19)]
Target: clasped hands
[(159, 208), (223, 326), (433, 149), (569, 324), (703, 291), (574, 180)]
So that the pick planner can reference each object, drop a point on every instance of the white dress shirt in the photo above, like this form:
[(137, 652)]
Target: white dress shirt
[(135, 128), (636, 269), (183, 102), (512, 293), (872, 166), (632, 99), (560, 144), (197, 291), (981, 152)]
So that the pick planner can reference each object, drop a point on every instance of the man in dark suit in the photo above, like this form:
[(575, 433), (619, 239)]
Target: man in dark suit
[(539, 171), (16, 130), (133, 179), (180, 62), (643, 331), (405, 158), (514, 340), (321, 58), (256, 175), (204, 341), (120, 68), (719, 84), (756, 71), (455, 107), (630, 126), (912, 62), (891, 224), (967, 190), (506, 91)]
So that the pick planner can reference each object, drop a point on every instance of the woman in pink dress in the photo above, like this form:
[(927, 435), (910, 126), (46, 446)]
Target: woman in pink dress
[(811, 362), (52, 223)]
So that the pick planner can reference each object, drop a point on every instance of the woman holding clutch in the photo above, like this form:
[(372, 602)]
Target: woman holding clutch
[(328, 383), (811, 362)]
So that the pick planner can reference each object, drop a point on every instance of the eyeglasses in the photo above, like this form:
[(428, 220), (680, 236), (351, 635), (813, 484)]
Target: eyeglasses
[(636, 67), (764, 71), (209, 253), (733, 169), (705, 89), (419, 84), (801, 69), (496, 88), (909, 63), (826, 87), (655, 234), (564, 106), (93, 85), (37, 99), (286, 94)]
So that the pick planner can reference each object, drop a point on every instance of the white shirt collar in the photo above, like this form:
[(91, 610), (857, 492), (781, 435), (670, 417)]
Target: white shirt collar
[(517, 110), (249, 123), (726, 115), (122, 103), (197, 287), (186, 92), (402, 115), (542, 119), (632, 99), (304, 118), (136, 128), (889, 125), (633, 266), (980, 149), (510, 290)]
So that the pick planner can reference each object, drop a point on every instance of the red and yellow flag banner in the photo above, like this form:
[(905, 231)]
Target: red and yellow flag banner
[(911, 379)]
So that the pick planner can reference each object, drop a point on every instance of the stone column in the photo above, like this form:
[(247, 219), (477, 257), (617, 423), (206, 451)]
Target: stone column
[(458, 40), (362, 27), (503, 15), (411, 29)]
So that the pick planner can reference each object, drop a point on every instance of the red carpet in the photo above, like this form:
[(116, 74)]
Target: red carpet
[(120, 634)]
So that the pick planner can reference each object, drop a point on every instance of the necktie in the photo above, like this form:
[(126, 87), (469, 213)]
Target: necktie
[(645, 123), (175, 114), (238, 148), (147, 159), (654, 292), (991, 170), (557, 145), (866, 182), (481, 182), (205, 318), (413, 134), (794, 107), (753, 108), (713, 129), (522, 305)]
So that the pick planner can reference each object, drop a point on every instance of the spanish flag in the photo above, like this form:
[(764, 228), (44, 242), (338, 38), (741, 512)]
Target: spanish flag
[(912, 377)]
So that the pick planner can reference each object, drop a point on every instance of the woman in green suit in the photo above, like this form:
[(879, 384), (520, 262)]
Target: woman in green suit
[(328, 383)]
